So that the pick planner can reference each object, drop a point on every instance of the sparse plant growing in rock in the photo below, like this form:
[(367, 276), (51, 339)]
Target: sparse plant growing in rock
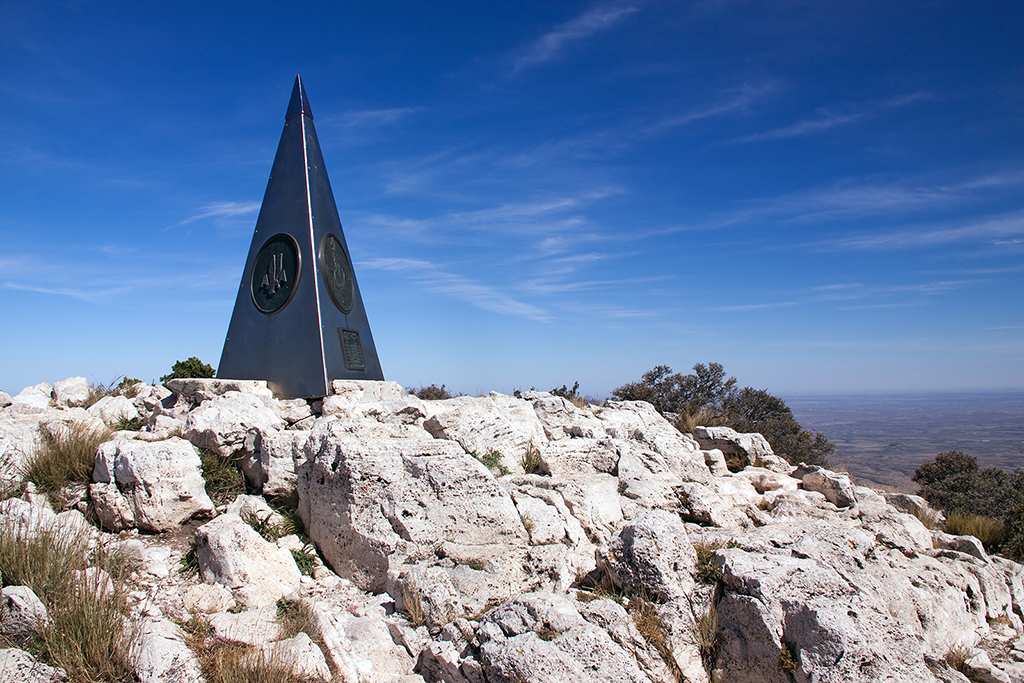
[(531, 460), (129, 424), (547, 634), (224, 481), (477, 565), (706, 570), (788, 659), (295, 617), (706, 634), (956, 658), (528, 524), (929, 517), (287, 506), (265, 526), (413, 605), (305, 559), (492, 461), (189, 562), (648, 623), (67, 454)]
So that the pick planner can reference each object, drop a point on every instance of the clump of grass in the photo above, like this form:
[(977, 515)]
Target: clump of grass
[(492, 461), (547, 634), (531, 460), (125, 423), (928, 517), (266, 526), (528, 524), (706, 570), (189, 562), (648, 623), (67, 455), (287, 506), (705, 417), (706, 635), (90, 634), (736, 462), (477, 565), (305, 559), (787, 658), (413, 605), (956, 658), (294, 617), (987, 530), (224, 481)]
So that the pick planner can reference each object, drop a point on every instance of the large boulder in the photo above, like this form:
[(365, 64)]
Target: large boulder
[(233, 554), (651, 554), (21, 611), (232, 422), (562, 419), (639, 422), (495, 423), (73, 391), (154, 486), (18, 666), (161, 655), (369, 504)]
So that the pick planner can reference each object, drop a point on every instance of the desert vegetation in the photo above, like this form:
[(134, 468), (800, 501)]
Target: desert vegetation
[(709, 398), (987, 504)]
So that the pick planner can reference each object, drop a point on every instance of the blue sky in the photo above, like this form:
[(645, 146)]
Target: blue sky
[(823, 197)]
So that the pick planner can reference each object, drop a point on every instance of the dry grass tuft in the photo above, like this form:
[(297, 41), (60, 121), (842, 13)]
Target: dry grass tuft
[(987, 530), (928, 517), (224, 481), (706, 571), (787, 659), (413, 605), (90, 634), (706, 635), (66, 455), (648, 622), (531, 460), (705, 417), (956, 658)]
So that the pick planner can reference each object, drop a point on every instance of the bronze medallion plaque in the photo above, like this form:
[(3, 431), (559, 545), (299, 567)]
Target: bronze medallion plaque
[(337, 270), (352, 348), (275, 273)]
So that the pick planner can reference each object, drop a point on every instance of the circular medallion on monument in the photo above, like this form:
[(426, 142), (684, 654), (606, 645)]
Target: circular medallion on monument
[(337, 272), (275, 273)]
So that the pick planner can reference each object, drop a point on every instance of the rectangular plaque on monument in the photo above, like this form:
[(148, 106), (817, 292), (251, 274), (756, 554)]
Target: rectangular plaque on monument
[(299, 320)]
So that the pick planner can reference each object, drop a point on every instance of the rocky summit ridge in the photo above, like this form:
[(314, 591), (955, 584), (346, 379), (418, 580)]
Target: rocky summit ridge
[(502, 539)]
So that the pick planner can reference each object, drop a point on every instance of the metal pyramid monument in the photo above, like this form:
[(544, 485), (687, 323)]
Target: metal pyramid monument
[(299, 320)]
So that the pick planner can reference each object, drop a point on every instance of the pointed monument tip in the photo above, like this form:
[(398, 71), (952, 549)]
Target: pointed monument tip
[(298, 104)]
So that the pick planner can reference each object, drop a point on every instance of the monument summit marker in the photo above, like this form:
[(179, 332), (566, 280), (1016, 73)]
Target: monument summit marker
[(299, 320)]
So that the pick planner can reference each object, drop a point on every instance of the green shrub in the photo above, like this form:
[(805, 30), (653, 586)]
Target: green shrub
[(787, 659), (431, 393), (188, 369), (492, 461)]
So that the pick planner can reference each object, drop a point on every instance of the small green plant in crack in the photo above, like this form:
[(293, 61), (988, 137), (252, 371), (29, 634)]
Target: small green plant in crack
[(531, 460), (305, 559), (265, 526), (189, 562), (492, 461), (287, 506), (788, 658), (477, 565)]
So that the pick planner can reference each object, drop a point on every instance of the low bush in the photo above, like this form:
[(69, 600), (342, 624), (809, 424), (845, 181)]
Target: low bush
[(189, 369), (431, 393)]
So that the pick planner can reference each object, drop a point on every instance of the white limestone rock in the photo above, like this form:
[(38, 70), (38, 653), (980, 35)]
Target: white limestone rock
[(298, 653), (230, 422), (731, 442), (836, 488), (715, 460), (153, 486), (368, 503), (5, 399), (248, 627), (196, 391), (271, 468), (18, 666), (639, 422), (579, 456), (207, 598), (163, 657), (111, 409), (35, 398), (651, 553), (490, 423), (231, 553), (562, 419), (541, 637), (21, 611), (73, 391)]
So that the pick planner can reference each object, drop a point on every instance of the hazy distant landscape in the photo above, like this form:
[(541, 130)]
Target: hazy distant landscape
[(881, 439)]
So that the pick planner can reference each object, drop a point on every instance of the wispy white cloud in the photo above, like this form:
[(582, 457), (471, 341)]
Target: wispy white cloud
[(223, 210), (828, 119), (549, 45), (434, 279), (752, 307), (369, 118), (993, 229)]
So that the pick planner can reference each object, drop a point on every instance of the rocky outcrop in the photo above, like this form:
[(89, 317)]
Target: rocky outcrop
[(498, 538)]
